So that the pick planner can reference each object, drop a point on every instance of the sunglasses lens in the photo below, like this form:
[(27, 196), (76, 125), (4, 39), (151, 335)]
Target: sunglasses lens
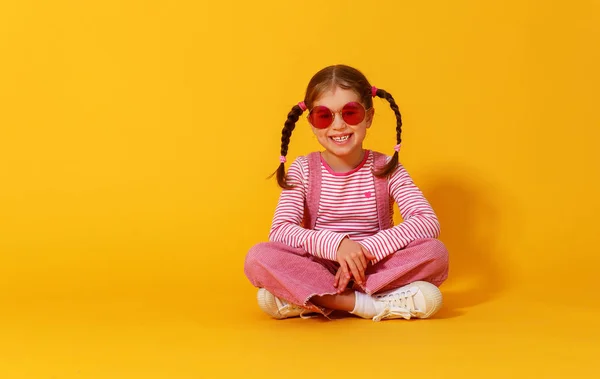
[(353, 113), (320, 117)]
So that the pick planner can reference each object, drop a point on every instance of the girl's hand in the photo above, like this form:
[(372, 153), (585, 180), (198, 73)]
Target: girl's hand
[(336, 280), (353, 259), (341, 281)]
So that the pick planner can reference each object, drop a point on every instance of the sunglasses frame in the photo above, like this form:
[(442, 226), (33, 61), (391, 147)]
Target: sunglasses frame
[(334, 114)]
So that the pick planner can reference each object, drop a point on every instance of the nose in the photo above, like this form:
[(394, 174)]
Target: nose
[(338, 122)]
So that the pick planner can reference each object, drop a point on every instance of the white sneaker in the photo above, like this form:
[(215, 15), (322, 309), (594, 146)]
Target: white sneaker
[(278, 308), (417, 299)]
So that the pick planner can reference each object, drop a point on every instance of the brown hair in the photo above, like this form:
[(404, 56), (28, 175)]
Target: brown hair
[(344, 77)]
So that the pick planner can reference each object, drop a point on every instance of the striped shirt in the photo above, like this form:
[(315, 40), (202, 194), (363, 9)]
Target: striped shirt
[(347, 208)]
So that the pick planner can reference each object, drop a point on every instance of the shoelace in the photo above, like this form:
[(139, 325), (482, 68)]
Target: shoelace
[(285, 308), (399, 304)]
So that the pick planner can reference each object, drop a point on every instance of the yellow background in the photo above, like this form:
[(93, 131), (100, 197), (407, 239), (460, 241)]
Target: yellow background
[(135, 138)]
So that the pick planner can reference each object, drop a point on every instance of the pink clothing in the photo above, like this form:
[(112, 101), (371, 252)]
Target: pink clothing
[(323, 208), (348, 207), (295, 275)]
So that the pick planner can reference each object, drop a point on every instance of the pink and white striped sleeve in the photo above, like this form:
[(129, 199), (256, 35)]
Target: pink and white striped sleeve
[(420, 221), (289, 213)]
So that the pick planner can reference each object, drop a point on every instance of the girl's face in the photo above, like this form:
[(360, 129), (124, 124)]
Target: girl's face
[(339, 138)]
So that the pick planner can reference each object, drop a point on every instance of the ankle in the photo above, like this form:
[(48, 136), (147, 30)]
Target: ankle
[(344, 301), (365, 306)]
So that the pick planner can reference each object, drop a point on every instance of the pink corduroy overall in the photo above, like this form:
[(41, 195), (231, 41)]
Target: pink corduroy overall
[(294, 275)]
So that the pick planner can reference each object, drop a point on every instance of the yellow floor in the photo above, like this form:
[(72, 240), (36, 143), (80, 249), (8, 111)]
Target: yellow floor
[(513, 334), (136, 136)]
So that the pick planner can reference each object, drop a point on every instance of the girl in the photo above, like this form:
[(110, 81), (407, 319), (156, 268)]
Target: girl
[(333, 245)]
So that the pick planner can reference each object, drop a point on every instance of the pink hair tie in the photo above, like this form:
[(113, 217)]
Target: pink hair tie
[(282, 159), (397, 147), (302, 106), (374, 91)]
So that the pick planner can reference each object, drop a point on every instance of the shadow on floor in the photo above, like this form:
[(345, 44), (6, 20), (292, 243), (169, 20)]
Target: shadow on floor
[(469, 221)]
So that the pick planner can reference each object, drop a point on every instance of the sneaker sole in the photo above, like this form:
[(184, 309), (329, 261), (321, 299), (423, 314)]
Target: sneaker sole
[(433, 297), (266, 302)]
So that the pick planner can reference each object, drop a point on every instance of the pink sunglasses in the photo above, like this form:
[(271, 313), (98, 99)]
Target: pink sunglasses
[(352, 113)]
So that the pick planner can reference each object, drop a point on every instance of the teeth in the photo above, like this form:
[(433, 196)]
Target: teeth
[(340, 139)]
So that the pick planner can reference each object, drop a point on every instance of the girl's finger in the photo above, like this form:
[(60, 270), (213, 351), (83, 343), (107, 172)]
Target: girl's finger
[(344, 267), (361, 271), (363, 260), (337, 278), (360, 266), (367, 254), (363, 263), (354, 269), (343, 284)]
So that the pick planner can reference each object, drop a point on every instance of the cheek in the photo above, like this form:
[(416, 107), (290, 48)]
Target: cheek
[(320, 133), (361, 128)]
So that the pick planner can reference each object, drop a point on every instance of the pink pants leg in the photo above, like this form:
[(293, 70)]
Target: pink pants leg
[(294, 275), (423, 259)]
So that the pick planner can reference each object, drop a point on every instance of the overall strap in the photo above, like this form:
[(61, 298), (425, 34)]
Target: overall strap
[(382, 195), (313, 190)]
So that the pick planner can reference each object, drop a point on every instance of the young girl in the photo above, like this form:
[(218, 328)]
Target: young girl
[(333, 245)]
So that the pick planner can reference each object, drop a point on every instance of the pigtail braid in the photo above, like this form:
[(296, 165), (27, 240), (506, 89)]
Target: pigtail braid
[(389, 168), (286, 134)]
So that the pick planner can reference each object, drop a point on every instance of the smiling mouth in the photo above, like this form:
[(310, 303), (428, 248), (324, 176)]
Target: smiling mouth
[(341, 139)]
